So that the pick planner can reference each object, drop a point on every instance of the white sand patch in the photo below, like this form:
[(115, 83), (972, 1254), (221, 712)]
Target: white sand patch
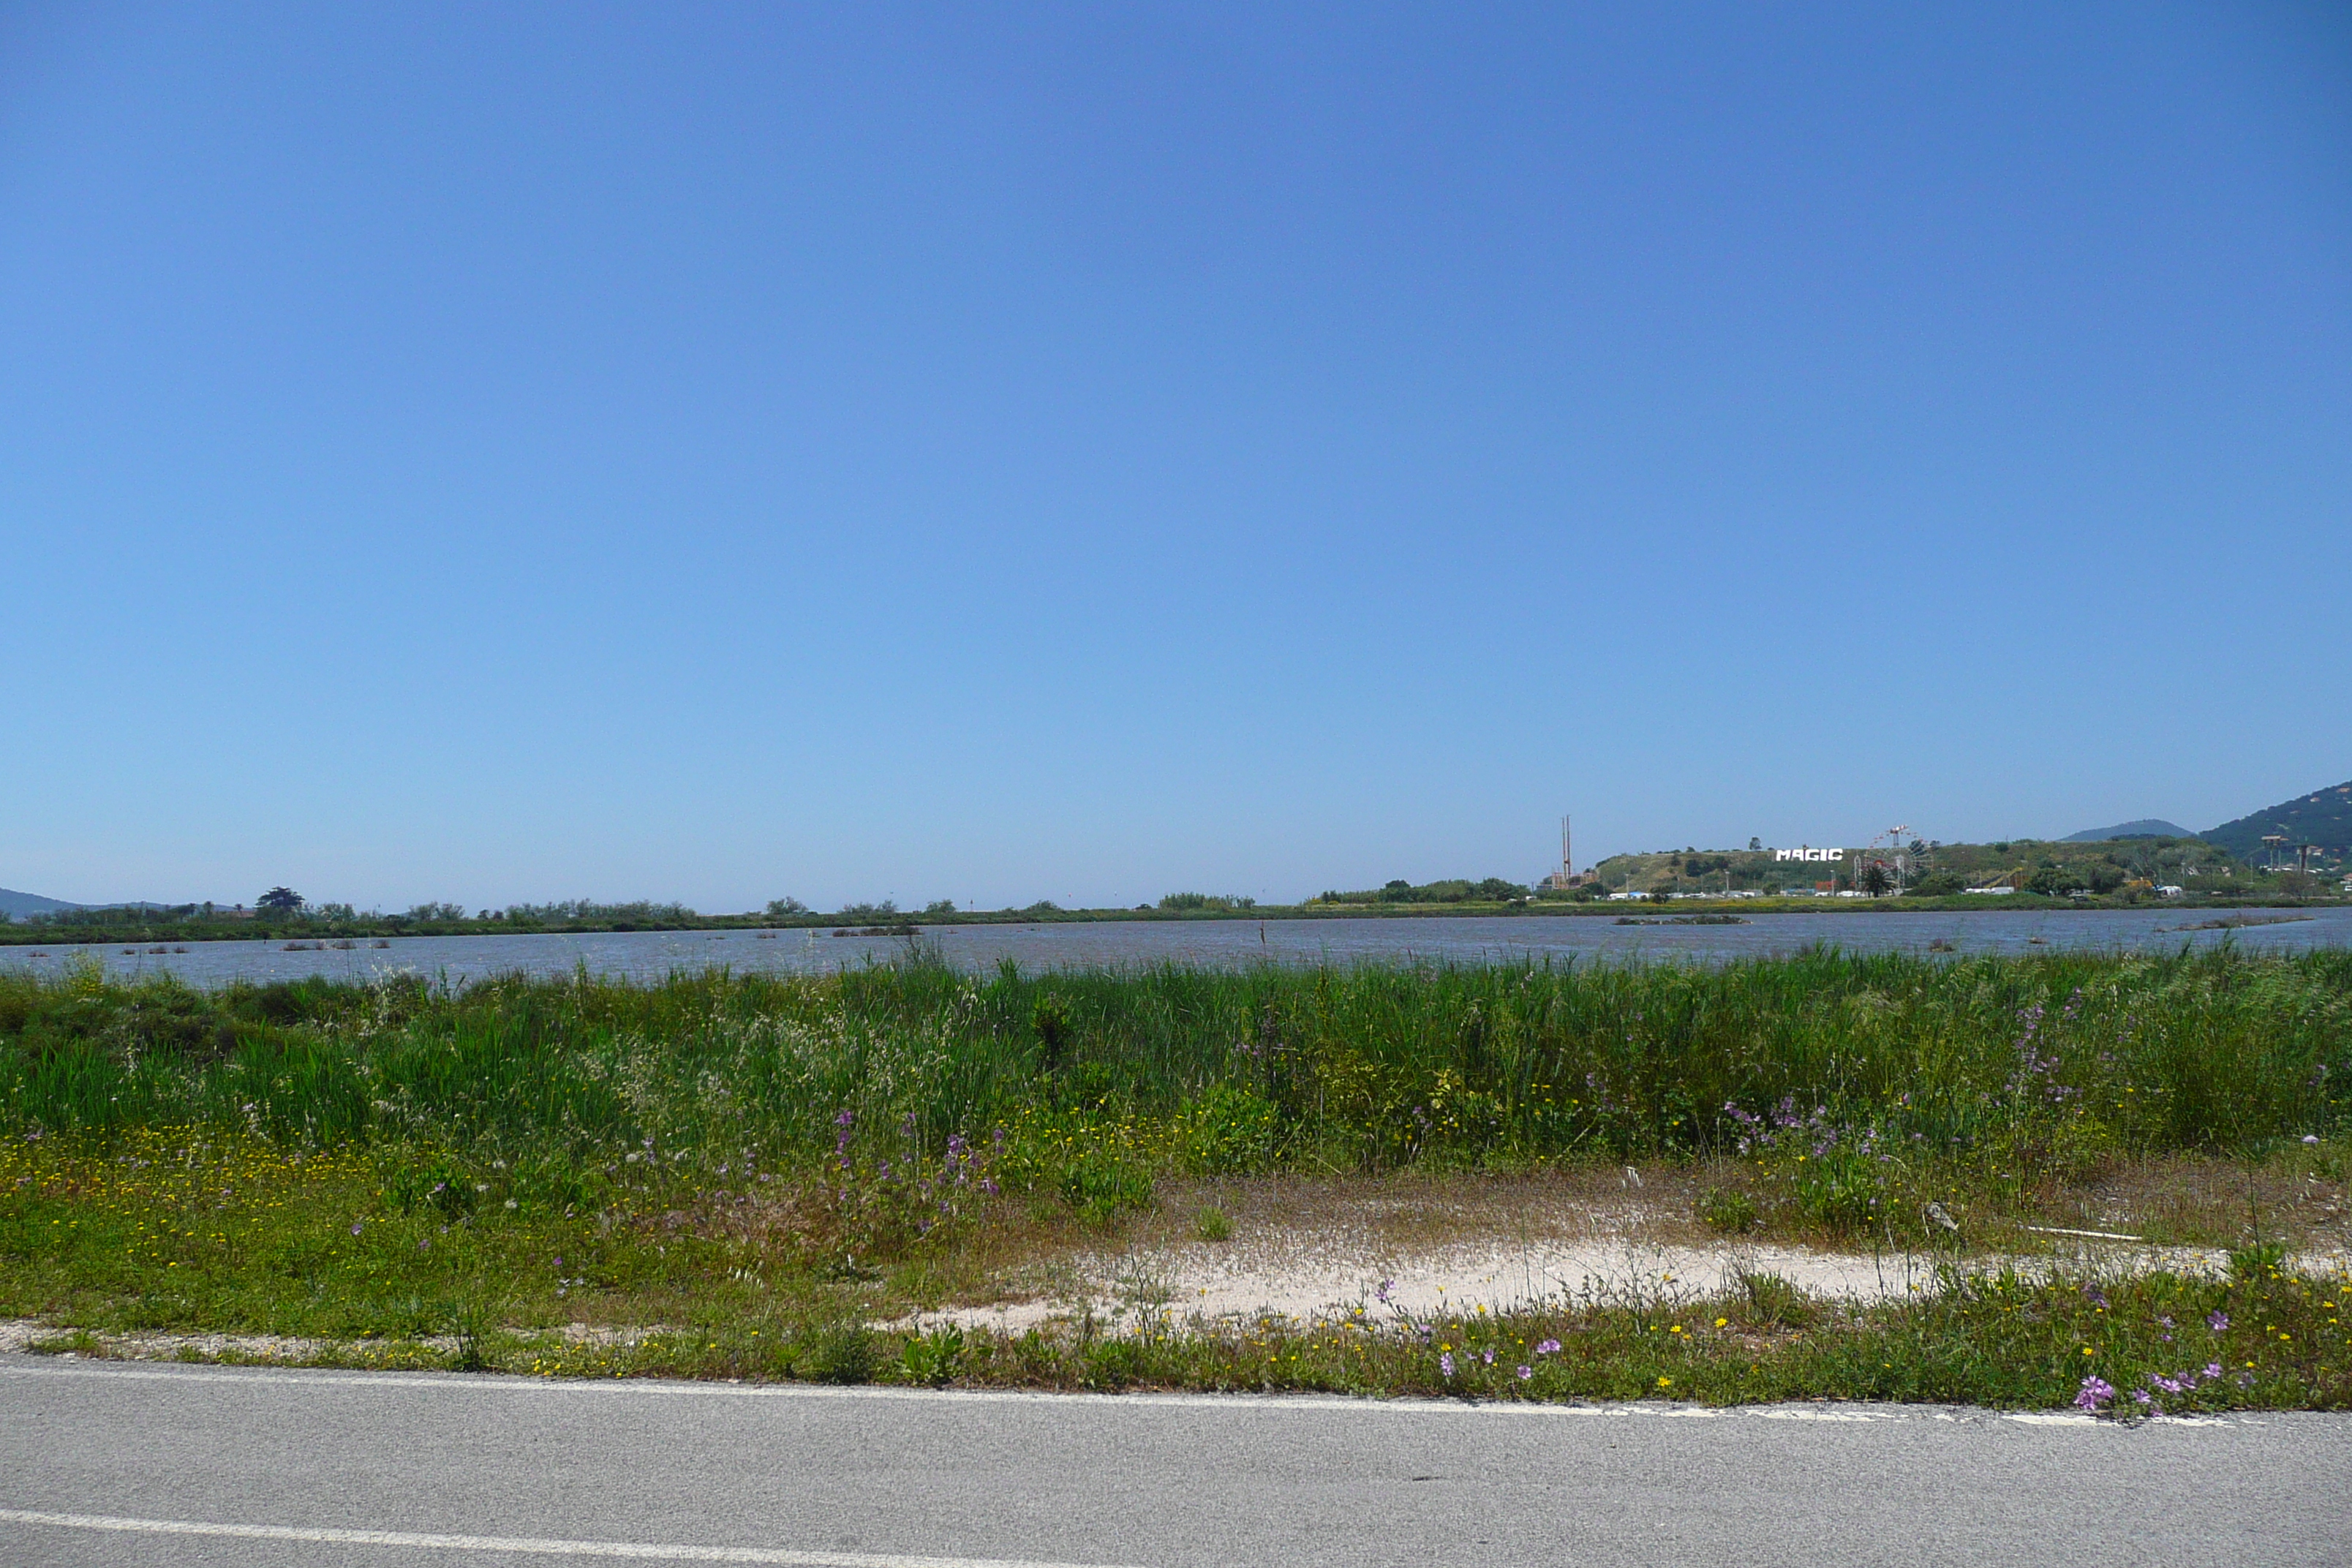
[(18, 1334), (1303, 1278), (22, 1333)]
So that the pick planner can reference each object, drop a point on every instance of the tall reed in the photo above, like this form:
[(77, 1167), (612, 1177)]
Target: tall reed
[(1370, 1066)]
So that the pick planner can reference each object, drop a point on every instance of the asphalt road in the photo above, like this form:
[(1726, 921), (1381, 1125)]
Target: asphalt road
[(115, 1463)]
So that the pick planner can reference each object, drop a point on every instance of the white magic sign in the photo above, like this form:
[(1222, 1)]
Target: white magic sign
[(1808, 854)]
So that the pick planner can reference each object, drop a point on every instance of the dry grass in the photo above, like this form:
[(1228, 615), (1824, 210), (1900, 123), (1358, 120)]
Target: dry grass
[(1416, 1211), (2183, 1201)]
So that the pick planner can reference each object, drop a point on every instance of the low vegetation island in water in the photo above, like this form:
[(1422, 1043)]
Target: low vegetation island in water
[(771, 1176)]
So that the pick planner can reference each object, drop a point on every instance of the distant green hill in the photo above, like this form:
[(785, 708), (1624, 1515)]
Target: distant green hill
[(15, 904), (2145, 827), (2322, 817), (2101, 866)]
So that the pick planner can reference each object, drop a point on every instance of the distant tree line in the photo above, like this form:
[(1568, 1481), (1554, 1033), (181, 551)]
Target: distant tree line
[(1490, 890), (1180, 902)]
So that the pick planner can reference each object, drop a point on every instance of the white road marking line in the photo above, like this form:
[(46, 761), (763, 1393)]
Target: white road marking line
[(230, 1375), (658, 1553), (637, 1387)]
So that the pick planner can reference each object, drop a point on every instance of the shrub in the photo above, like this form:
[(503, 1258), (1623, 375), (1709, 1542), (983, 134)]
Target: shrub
[(436, 1182), (932, 1358), (1051, 1018), (1098, 1188), (840, 1354), (1732, 1212), (1229, 1130)]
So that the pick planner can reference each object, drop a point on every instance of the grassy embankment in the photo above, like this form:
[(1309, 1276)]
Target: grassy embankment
[(762, 1166)]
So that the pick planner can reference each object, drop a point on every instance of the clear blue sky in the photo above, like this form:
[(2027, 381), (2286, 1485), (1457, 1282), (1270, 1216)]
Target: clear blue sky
[(495, 453)]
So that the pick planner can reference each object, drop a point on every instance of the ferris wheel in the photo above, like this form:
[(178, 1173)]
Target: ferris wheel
[(1892, 849)]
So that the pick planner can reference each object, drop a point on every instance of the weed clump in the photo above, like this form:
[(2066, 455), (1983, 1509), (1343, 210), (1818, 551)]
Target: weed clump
[(1730, 1211)]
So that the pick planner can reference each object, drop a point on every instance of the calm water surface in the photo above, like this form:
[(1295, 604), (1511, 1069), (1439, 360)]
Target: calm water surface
[(650, 955)]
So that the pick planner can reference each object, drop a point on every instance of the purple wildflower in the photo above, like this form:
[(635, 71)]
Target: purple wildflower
[(1549, 1347), (1445, 1363), (2217, 1321), (1526, 1373), (2213, 1369), (2094, 1393)]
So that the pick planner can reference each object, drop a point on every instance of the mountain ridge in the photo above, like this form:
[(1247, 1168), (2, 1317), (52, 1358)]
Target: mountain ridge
[(2322, 817), (16, 905)]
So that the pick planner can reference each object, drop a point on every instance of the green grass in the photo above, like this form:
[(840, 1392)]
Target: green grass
[(1367, 1068), (762, 1163)]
